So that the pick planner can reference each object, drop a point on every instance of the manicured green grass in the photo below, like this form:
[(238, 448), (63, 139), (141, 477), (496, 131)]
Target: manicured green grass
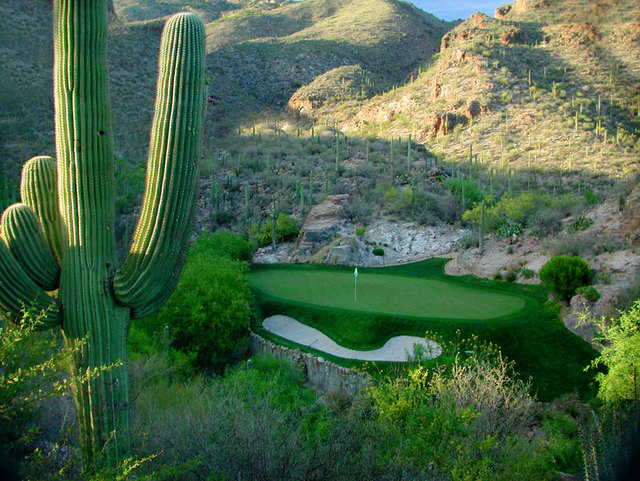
[(406, 296), (417, 298)]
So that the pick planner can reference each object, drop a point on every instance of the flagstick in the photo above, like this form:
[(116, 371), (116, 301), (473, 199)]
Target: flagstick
[(355, 285), (355, 289)]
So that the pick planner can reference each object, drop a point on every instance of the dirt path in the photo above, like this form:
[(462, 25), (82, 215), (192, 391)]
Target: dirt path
[(396, 349)]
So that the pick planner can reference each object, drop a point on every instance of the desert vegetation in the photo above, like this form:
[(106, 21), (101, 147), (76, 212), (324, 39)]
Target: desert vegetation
[(318, 132)]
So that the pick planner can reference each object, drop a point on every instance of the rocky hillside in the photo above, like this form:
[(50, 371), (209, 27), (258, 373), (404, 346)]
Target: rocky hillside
[(548, 85), (259, 54), (273, 54), (319, 97)]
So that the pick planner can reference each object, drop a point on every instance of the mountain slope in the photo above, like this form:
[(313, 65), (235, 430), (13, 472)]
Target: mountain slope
[(524, 94), (259, 54), (271, 54)]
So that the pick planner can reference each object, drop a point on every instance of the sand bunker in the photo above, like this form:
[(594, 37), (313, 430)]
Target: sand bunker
[(396, 349)]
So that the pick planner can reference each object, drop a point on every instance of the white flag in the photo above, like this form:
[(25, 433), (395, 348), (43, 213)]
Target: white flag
[(355, 273)]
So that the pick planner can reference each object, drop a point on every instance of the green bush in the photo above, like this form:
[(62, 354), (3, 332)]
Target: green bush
[(361, 230), (590, 293), (460, 424), (563, 275), (472, 192), (286, 229), (620, 342), (30, 365), (591, 197), (222, 243), (511, 276), (378, 251), (208, 314), (540, 211), (528, 273), (515, 210)]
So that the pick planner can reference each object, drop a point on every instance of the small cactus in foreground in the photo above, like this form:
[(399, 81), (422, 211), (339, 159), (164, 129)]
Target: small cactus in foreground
[(63, 234)]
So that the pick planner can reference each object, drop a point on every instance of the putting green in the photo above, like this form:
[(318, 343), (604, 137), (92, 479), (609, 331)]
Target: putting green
[(385, 294)]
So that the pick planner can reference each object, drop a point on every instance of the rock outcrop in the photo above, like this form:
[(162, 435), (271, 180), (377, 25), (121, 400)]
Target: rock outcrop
[(323, 222)]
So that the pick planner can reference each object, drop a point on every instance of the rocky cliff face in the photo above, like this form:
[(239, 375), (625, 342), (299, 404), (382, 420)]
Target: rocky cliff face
[(323, 222), (520, 6)]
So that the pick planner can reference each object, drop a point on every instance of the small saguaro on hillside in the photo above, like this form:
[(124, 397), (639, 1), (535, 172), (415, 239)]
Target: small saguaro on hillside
[(62, 235)]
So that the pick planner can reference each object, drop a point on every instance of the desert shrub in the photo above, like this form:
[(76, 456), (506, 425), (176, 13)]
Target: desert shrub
[(399, 200), (464, 423), (509, 228), (512, 210), (563, 275), (359, 210), (580, 223), (222, 243), (591, 198), (572, 245), (467, 241), (222, 217), (629, 295), (360, 231), (286, 230), (472, 191), (258, 422), (528, 273), (427, 208), (378, 251), (520, 207), (590, 293), (583, 244), (568, 204), (208, 313), (313, 148), (511, 276), (545, 221), (30, 366)]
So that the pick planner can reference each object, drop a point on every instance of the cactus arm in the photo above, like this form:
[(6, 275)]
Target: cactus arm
[(22, 232), (18, 291), (150, 271), (165, 288), (38, 189)]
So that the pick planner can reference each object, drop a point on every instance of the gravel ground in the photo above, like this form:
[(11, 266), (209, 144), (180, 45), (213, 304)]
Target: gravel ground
[(397, 349)]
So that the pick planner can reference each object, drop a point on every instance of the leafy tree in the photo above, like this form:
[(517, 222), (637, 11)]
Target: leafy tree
[(563, 275), (208, 314), (620, 342)]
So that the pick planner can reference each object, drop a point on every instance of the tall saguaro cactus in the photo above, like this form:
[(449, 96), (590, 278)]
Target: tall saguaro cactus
[(69, 238)]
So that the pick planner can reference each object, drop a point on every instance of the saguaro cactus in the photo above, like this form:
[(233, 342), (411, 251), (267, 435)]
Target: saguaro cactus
[(72, 238)]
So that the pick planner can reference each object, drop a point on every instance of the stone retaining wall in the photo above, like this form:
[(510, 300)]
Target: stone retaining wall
[(324, 375)]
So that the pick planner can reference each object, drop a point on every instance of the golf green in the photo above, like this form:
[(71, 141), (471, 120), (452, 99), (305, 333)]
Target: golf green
[(385, 294), (418, 298)]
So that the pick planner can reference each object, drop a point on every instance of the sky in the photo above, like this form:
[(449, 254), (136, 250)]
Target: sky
[(454, 9)]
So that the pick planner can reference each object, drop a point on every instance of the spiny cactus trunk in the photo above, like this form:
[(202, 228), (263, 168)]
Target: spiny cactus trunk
[(96, 299), (97, 308), (102, 402), (84, 147)]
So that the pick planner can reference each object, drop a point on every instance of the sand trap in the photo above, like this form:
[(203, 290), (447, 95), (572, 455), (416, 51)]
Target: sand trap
[(397, 349)]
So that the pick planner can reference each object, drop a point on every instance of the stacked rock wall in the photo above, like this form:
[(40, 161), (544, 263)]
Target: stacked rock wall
[(323, 375)]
